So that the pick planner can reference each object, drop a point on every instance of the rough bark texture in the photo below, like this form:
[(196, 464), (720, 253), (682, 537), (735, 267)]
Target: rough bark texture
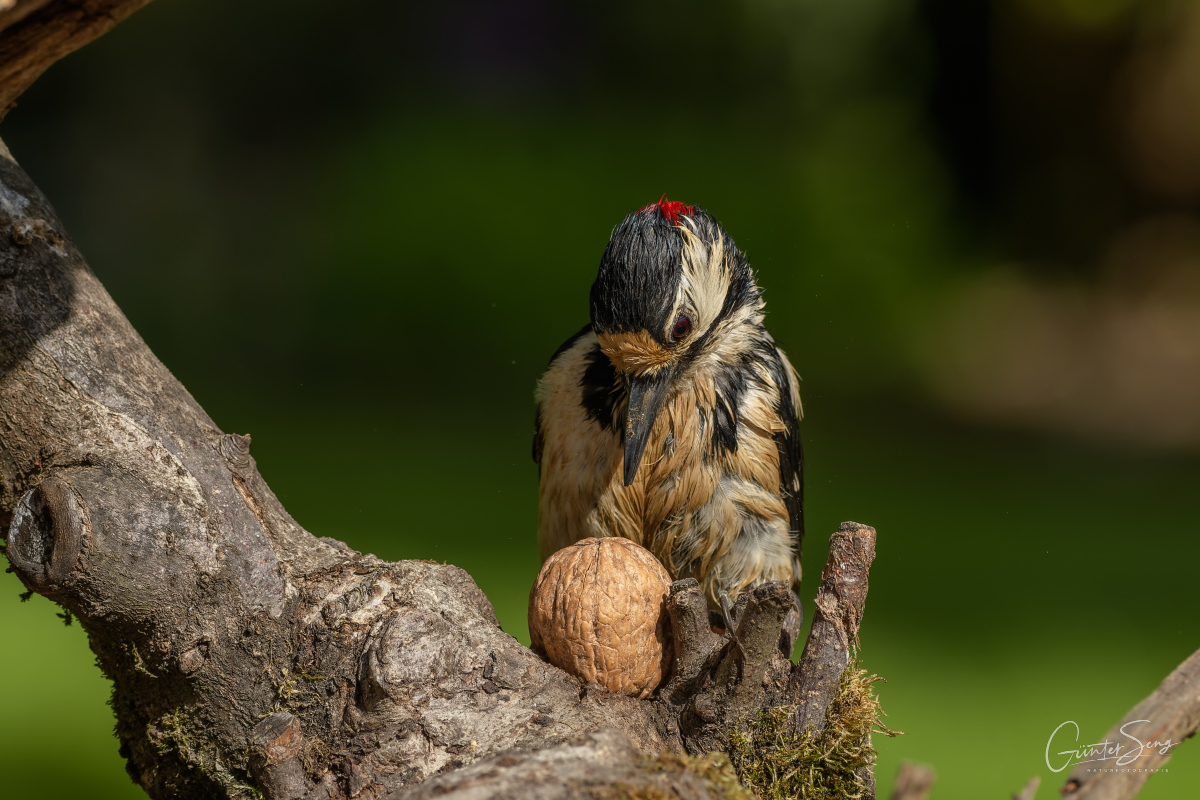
[(246, 653), (1171, 714), (840, 603), (598, 766), (36, 33)]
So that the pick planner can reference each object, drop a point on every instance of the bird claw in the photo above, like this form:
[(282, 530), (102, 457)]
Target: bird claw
[(727, 617), (725, 621)]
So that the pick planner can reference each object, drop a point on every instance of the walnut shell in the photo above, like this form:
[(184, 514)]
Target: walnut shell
[(598, 611)]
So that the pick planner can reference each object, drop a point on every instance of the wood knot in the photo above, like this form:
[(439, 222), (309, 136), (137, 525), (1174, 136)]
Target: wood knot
[(49, 530), (26, 231), (705, 708), (193, 658), (235, 449)]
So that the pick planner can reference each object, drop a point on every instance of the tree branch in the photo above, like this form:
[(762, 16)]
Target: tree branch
[(840, 603), (1029, 790), (914, 781), (36, 33), (1168, 716)]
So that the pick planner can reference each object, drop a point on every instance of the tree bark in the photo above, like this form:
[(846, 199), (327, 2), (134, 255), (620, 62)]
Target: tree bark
[(841, 602), (247, 654), (36, 33), (1147, 738)]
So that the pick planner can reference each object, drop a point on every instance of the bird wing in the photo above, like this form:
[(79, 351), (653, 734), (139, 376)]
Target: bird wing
[(538, 437), (791, 449)]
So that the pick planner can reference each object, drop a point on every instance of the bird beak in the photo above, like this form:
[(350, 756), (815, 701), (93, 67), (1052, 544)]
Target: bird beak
[(646, 395)]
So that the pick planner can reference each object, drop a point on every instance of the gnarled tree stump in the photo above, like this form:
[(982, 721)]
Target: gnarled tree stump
[(245, 652)]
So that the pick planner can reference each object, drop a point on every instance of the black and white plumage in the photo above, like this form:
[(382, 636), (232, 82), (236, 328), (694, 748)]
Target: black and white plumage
[(672, 419)]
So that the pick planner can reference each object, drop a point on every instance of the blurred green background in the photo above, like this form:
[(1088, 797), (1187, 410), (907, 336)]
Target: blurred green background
[(357, 231)]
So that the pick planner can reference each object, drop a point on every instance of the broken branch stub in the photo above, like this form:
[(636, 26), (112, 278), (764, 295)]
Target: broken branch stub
[(1029, 790), (838, 613), (275, 749), (913, 781), (758, 630), (724, 681)]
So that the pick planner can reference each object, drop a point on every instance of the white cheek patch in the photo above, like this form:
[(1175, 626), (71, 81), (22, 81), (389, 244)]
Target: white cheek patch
[(705, 279)]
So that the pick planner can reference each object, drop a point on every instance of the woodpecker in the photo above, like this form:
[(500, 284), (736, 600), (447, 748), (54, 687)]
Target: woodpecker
[(672, 418)]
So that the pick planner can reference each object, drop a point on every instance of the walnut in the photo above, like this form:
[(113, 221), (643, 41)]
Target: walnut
[(598, 611)]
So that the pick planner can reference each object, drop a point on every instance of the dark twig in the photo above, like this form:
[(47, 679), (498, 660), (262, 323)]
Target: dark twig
[(913, 781), (1168, 716), (837, 616), (721, 681), (758, 630), (694, 641), (1030, 790)]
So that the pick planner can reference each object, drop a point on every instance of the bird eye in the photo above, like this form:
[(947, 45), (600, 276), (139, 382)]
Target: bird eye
[(683, 326)]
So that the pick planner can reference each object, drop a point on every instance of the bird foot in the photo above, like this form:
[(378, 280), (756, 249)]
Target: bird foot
[(727, 617), (725, 621)]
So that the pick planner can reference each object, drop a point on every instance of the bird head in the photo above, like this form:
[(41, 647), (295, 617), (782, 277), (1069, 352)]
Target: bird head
[(671, 294)]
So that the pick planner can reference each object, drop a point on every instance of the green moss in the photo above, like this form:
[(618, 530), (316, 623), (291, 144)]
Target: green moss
[(716, 768), (171, 733), (131, 651), (285, 689), (181, 734), (623, 791), (777, 763), (713, 767), (246, 790)]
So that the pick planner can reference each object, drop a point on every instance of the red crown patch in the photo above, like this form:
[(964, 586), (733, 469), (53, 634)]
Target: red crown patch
[(671, 209)]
